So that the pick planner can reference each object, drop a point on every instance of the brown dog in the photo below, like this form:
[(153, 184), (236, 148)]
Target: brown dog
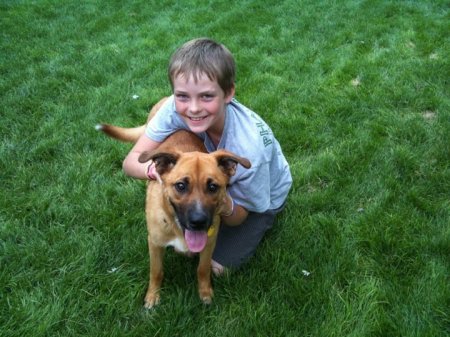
[(183, 208)]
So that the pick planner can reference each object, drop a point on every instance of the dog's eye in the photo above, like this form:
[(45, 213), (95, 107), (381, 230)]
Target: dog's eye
[(213, 188), (180, 187)]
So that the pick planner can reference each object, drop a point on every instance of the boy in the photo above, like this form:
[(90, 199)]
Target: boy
[(202, 76)]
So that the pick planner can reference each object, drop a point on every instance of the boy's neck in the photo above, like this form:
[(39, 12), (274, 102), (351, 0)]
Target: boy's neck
[(215, 137), (215, 131)]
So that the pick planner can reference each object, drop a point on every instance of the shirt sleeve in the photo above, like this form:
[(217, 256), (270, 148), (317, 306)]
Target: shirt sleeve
[(165, 122), (251, 188)]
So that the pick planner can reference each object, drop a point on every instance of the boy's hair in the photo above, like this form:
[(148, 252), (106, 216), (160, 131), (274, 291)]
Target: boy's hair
[(204, 56)]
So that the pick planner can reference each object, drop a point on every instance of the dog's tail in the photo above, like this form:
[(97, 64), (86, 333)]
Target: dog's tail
[(129, 135)]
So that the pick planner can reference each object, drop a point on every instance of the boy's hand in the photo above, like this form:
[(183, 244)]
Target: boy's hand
[(228, 206), (232, 214)]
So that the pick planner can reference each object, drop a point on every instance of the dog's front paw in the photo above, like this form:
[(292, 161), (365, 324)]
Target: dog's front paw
[(151, 300), (207, 300), (206, 296)]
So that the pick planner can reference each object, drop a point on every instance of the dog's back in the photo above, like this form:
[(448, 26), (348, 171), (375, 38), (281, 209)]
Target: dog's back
[(130, 135), (184, 141), (181, 140)]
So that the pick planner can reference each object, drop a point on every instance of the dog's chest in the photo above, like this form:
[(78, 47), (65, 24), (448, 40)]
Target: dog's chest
[(178, 244)]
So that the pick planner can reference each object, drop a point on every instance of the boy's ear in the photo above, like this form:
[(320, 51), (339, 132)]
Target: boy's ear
[(230, 94)]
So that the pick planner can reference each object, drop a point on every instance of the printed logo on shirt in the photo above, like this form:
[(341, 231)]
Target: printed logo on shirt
[(264, 133), (264, 130)]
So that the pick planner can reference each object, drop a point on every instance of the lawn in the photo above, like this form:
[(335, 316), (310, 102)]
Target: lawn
[(357, 93)]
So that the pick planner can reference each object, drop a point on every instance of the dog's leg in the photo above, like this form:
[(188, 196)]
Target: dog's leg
[(205, 289), (152, 297)]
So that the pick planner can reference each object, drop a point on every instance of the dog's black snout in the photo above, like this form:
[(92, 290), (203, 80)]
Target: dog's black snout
[(198, 220)]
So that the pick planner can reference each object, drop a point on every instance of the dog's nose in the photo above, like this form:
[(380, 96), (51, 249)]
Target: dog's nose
[(198, 220), (198, 217)]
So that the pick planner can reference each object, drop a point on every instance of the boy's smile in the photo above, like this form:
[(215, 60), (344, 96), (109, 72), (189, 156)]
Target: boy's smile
[(201, 104)]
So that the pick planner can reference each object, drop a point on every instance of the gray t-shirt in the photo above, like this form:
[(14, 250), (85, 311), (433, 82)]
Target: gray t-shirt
[(266, 184)]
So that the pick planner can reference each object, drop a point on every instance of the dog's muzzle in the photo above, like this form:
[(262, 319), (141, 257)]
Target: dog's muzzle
[(194, 220)]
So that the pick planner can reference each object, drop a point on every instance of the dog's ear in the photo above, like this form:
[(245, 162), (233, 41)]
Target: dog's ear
[(145, 156), (164, 161), (228, 162)]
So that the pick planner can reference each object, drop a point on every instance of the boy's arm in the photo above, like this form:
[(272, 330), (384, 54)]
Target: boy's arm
[(237, 216), (131, 166)]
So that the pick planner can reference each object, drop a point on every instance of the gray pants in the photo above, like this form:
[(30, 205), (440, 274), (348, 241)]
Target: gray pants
[(237, 244)]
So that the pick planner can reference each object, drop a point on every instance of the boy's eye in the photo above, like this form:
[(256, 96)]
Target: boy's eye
[(182, 97), (208, 97)]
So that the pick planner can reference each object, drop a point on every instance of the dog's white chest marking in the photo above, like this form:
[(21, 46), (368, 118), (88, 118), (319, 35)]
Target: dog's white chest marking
[(178, 244)]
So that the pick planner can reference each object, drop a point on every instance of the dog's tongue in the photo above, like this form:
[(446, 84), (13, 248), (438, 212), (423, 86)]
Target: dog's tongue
[(195, 240)]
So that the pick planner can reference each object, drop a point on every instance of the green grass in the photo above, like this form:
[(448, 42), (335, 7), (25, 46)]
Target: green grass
[(357, 93)]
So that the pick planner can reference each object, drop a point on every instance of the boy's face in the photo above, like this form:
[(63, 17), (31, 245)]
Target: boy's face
[(201, 104)]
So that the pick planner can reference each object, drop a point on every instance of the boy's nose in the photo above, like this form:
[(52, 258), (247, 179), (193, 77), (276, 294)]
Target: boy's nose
[(194, 107)]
